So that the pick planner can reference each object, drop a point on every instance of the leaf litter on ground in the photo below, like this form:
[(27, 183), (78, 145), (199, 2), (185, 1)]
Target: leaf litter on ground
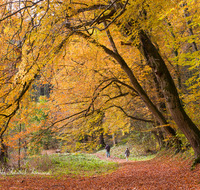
[(155, 174)]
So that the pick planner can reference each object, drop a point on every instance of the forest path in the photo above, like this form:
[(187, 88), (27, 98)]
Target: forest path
[(112, 158), (155, 174)]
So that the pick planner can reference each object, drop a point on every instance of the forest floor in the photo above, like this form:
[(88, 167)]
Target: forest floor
[(161, 173)]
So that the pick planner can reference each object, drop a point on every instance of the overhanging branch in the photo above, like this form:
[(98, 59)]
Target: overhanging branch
[(127, 115)]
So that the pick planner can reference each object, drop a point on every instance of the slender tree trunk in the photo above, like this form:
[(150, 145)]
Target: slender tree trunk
[(114, 139), (188, 22), (85, 139), (101, 140), (19, 149), (3, 153), (159, 137), (169, 90), (191, 33), (19, 154), (176, 55)]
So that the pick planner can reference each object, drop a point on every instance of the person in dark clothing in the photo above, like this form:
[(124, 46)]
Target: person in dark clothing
[(107, 150), (127, 153)]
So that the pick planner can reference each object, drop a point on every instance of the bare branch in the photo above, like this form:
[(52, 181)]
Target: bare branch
[(19, 10), (113, 20), (99, 89)]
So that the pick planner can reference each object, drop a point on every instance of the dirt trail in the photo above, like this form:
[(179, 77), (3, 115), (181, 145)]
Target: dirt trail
[(112, 158), (153, 174)]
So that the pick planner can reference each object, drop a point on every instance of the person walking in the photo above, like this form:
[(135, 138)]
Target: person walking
[(127, 153), (107, 150)]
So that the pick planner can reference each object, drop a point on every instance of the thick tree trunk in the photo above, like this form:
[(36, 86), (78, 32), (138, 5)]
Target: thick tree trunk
[(170, 93), (161, 106)]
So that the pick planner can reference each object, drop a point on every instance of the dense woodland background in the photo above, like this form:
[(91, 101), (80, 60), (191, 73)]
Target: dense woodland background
[(76, 75)]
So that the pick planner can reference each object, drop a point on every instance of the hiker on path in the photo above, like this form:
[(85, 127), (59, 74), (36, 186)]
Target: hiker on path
[(127, 153), (107, 150)]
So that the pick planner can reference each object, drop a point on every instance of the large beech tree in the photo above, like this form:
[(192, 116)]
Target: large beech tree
[(155, 61), (169, 90)]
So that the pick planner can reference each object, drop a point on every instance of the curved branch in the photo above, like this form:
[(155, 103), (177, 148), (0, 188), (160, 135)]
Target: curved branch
[(132, 117), (102, 13), (113, 20), (96, 94)]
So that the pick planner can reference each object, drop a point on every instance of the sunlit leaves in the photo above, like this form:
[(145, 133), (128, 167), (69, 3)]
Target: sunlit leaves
[(40, 41)]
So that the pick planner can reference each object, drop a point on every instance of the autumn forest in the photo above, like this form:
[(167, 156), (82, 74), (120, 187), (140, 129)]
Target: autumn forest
[(76, 75)]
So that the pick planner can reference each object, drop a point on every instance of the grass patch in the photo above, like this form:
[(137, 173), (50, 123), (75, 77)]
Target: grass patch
[(71, 164)]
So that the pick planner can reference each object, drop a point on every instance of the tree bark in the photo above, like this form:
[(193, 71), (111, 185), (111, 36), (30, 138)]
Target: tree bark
[(169, 90)]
